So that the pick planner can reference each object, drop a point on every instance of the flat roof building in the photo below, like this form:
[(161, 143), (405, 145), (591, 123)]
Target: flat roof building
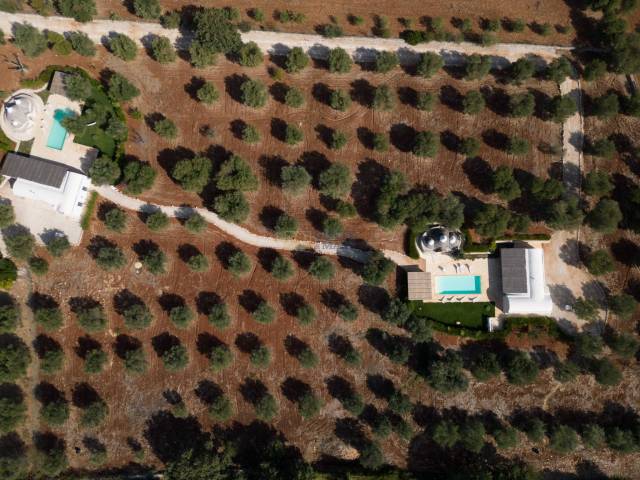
[(523, 281), (419, 285)]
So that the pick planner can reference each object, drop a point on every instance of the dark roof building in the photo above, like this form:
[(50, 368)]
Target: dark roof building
[(514, 270), (57, 84), (34, 169)]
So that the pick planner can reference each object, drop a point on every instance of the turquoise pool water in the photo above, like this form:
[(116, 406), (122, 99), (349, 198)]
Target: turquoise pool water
[(458, 284), (58, 133)]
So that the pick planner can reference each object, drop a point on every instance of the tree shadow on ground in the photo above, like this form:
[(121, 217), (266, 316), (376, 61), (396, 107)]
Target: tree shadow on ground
[(169, 437)]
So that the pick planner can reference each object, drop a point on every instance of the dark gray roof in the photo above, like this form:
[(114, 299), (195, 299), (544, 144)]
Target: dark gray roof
[(35, 169), (57, 84), (513, 262)]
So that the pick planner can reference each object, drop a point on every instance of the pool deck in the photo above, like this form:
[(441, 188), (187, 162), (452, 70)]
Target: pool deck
[(72, 154)]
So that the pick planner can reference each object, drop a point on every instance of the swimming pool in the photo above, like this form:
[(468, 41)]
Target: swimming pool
[(458, 284), (58, 134)]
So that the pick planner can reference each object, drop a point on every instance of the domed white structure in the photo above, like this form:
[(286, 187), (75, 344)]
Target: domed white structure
[(438, 239), (20, 115)]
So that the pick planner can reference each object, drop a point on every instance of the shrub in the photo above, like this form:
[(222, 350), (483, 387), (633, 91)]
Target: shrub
[(235, 174), (594, 70), (425, 145), (491, 220), (623, 305), (621, 440), (380, 142), (219, 316), (162, 51), (52, 360), (201, 56), (504, 183), (593, 436), (193, 174), (157, 221), (469, 147), (600, 262), (522, 105), (55, 413), (305, 314), (9, 318), (239, 263), (296, 60), (137, 316), (232, 207), (257, 14), (383, 98), (561, 107), (198, 263), (563, 440), (419, 328), (292, 134), (506, 437), (332, 30), (518, 146), (260, 356), (80, 10), (12, 408), (606, 106), (208, 93), (58, 245), (94, 414), (77, 87), (8, 273), (566, 371), (94, 361), (477, 67), (446, 374), (429, 64), (135, 361), (597, 183), (115, 219), (81, 44), (50, 458), (339, 100), (250, 134), (7, 215), (339, 61), (307, 358), (558, 70), (253, 93), (110, 258), (92, 318), (521, 369), (19, 243), (29, 39), (286, 226), (220, 408), (220, 358), (385, 62), (352, 403), (588, 345), (335, 181), (175, 358), (521, 70), (345, 209), (377, 268), (605, 216), (485, 366), (147, 9), (14, 358), (104, 171), (195, 223), (309, 405), (250, 55), (425, 101), (338, 140), (446, 433), (281, 268), (266, 407), (535, 430), (263, 313), (472, 435), (123, 47), (165, 128), (170, 20), (39, 266), (371, 457), (181, 316), (332, 227), (473, 103), (293, 98), (606, 373), (49, 317), (400, 403), (295, 179), (322, 268)]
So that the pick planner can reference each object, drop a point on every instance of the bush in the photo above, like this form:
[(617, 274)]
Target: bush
[(165, 128), (305, 314), (175, 358), (429, 64), (469, 147), (135, 361), (606, 107), (81, 44), (623, 305), (605, 216), (195, 223), (219, 316), (446, 433), (250, 134), (504, 183), (137, 316), (29, 39), (266, 407), (239, 264), (7, 215), (58, 245), (558, 70), (522, 105), (94, 414), (322, 268), (345, 209), (220, 358), (94, 361), (12, 408), (14, 358), (123, 47), (92, 318), (425, 101), (491, 220), (339, 61), (563, 440), (566, 372), (307, 358), (198, 263), (8, 273), (385, 62), (104, 171), (335, 181), (110, 258), (50, 458), (208, 93), (147, 9), (236, 174), (170, 20), (308, 405), (19, 243), (594, 70), (352, 403), (623, 344), (253, 93), (55, 413), (115, 219), (250, 55), (260, 356), (157, 221), (285, 226), (371, 457), (485, 366), (293, 98), (295, 179), (506, 437), (521, 70), (77, 87), (9, 318), (600, 262), (332, 30), (263, 313), (518, 146), (587, 345), (193, 174), (477, 67), (332, 227), (162, 51), (400, 403), (377, 268), (561, 107), (380, 142), (232, 207), (425, 145), (521, 369), (220, 409), (181, 316), (535, 430), (593, 436), (80, 10), (49, 317), (446, 374), (292, 134), (296, 60), (473, 103), (339, 100), (338, 140), (281, 268), (383, 98), (606, 373), (52, 360), (597, 183)]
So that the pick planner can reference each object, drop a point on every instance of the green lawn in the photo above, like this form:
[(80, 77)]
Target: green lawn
[(96, 137), (470, 315)]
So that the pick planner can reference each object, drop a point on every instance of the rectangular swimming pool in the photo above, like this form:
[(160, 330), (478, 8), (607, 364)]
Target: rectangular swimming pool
[(458, 284), (58, 134)]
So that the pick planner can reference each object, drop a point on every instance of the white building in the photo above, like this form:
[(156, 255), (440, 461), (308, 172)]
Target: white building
[(54, 184), (523, 281)]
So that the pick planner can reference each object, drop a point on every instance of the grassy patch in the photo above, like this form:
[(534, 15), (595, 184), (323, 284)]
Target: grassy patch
[(470, 315), (95, 137), (411, 247), (6, 144), (89, 208), (25, 147)]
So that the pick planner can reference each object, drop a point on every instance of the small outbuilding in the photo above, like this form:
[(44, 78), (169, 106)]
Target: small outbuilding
[(419, 286), (523, 281)]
